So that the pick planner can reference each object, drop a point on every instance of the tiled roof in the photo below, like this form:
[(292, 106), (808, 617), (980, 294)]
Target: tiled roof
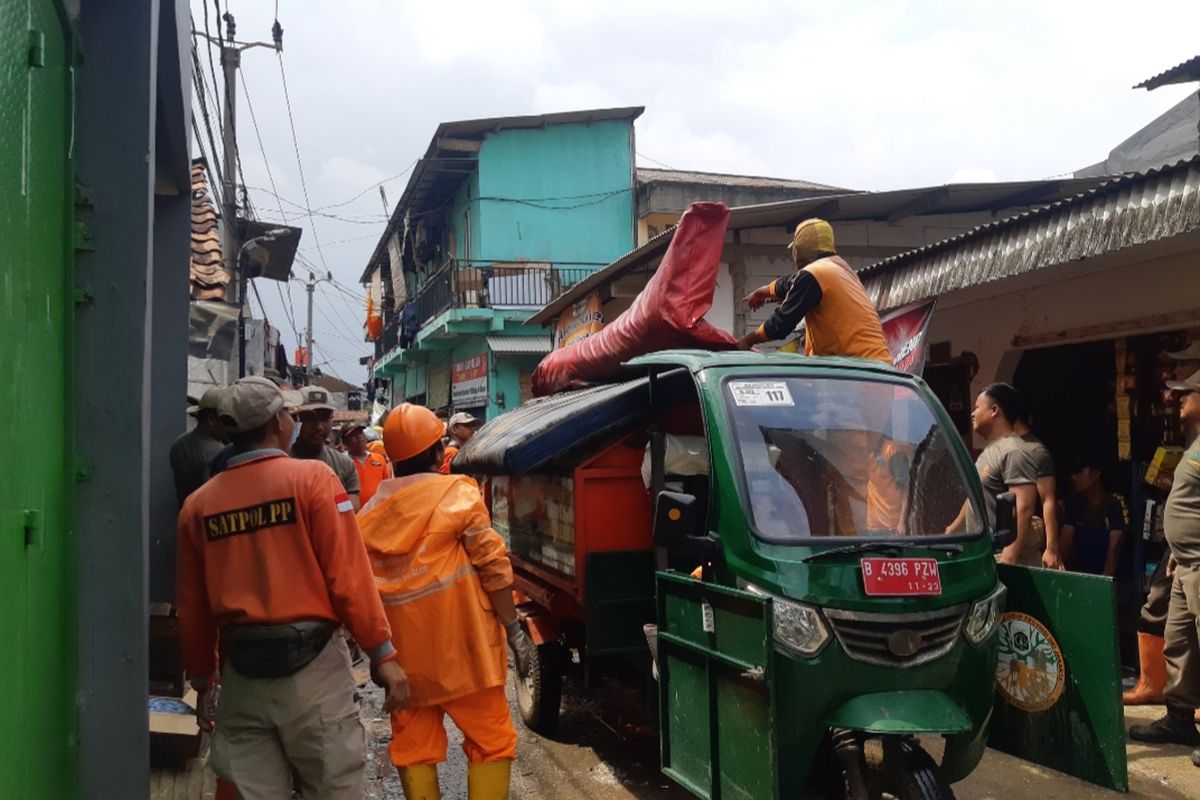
[(208, 275)]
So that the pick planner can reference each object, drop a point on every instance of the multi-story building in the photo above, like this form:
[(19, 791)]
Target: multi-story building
[(499, 217)]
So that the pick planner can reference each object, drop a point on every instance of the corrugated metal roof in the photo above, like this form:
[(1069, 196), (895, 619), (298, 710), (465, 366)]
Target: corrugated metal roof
[(955, 198), (1180, 73), (646, 175), (530, 345), (1124, 212)]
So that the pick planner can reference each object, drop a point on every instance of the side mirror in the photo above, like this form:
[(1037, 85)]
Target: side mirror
[(1005, 531), (676, 516)]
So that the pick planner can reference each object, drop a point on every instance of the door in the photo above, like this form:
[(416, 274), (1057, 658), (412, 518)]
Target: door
[(37, 672), (1059, 675), (716, 705)]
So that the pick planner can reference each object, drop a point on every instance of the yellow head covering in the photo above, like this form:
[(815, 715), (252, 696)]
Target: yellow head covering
[(813, 239)]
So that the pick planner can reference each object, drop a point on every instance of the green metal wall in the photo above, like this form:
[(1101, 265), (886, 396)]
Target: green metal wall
[(38, 752)]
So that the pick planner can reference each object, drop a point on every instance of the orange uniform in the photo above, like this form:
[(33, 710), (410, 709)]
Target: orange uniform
[(451, 452), (839, 317), (435, 557), (271, 540), (373, 469)]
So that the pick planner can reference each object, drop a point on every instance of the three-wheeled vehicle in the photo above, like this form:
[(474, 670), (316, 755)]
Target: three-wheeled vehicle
[(774, 527)]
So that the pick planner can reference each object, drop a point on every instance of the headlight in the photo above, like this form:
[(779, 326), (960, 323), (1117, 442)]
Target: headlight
[(798, 627), (984, 614)]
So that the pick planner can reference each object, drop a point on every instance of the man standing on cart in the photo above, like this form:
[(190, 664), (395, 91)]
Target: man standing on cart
[(446, 583), (1181, 524), (839, 318)]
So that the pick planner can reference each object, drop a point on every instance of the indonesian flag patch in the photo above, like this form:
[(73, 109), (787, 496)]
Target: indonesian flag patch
[(343, 502)]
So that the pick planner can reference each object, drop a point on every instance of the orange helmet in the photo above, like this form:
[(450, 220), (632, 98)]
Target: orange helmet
[(377, 448), (410, 430)]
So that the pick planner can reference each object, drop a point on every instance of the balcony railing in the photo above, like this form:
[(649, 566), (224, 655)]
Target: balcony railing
[(459, 284)]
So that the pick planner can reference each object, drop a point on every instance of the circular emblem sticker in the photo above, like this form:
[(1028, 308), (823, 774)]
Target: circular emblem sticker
[(1029, 672)]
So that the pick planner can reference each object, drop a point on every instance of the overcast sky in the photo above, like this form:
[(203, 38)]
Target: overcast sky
[(865, 95)]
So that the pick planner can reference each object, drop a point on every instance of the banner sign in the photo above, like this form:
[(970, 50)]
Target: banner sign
[(579, 322), (1058, 675), (469, 382), (905, 330)]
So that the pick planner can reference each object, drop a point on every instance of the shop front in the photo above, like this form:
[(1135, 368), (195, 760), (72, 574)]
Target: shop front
[(1079, 305)]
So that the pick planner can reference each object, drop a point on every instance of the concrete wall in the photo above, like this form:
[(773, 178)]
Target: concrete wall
[(590, 166), (1092, 300)]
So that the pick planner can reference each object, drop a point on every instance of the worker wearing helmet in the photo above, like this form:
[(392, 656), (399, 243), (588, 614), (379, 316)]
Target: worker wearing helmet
[(446, 583), (839, 318)]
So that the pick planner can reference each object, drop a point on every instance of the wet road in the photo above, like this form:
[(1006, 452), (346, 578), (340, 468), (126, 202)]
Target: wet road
[(603, 750)]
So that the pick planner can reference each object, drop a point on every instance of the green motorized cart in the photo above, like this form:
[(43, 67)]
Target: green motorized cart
[(776, 533)]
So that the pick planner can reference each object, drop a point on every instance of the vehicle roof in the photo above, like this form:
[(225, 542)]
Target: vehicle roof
[(697, 360)]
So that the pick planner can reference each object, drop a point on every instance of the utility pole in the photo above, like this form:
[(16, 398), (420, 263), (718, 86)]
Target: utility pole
[(231, 248), (311, 287)]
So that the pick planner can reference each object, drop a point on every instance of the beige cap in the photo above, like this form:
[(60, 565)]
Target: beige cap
[(1189, 384), (253, 401), (316, 398), (463, 418), (1189, 353), (208, 402)]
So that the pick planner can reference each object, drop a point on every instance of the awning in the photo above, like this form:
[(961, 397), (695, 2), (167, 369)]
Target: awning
[(1124, 212), (555, 427), (519, 345)]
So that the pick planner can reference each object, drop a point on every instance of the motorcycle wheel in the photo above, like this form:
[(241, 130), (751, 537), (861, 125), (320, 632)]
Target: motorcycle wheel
[(539, 695), (898, 769)]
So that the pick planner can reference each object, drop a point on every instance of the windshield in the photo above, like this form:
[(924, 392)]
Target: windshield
[(848, 458)]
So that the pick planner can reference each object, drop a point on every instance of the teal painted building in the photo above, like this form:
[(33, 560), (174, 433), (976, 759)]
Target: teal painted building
[(499, 217)]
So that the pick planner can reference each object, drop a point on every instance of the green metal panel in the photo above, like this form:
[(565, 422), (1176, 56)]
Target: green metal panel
[(715, 689), (912, 711), (1058, 676), (38, 755), (619, 601)]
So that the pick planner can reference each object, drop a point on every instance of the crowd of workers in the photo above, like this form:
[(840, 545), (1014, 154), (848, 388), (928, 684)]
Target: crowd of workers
[(281, 576), (293, 550)]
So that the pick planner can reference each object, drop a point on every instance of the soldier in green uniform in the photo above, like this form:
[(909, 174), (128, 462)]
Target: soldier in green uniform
[(1181, 523)]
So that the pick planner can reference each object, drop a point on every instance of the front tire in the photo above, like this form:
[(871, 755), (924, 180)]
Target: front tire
[(539, 696), (898, 769)]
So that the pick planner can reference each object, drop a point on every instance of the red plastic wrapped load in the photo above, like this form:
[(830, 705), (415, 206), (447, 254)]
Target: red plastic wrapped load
[(669, 312)]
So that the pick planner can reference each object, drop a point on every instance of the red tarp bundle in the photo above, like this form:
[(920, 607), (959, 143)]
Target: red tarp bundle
[(669, 312)]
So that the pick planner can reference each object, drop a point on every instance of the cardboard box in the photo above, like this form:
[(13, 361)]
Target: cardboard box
[(1161, 472), (174, 732)]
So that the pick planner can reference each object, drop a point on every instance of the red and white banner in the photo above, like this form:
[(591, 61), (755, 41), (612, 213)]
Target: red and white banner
[(905, 330)]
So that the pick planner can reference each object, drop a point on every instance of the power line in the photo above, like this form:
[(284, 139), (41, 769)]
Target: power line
[(299, 164), (261, 148)]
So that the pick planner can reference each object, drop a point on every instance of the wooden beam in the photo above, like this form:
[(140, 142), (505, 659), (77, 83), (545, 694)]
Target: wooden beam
[(921, 204), (459, 145)]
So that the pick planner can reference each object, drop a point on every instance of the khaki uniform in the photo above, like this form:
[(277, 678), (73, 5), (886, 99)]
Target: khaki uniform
[(1181, 523)]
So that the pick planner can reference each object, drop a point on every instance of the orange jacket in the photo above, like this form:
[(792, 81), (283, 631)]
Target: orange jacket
[(372, 469), (435, 558), (845, 323), (272, 540)]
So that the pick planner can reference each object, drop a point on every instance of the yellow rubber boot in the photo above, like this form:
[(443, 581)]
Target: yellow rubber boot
[(488, 780), (420, 782)]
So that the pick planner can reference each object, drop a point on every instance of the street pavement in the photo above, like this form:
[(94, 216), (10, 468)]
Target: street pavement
[(604, 750)]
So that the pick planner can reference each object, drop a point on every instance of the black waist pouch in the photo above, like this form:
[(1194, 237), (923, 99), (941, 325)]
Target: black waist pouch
[(274, 651)]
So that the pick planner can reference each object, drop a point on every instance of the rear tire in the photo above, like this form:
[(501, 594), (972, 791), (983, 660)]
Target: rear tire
[(898, 769), (539, 696)]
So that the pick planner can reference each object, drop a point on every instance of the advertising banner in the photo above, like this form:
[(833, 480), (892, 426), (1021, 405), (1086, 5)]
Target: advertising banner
[(581, 321), (469, 382), (905, 330)]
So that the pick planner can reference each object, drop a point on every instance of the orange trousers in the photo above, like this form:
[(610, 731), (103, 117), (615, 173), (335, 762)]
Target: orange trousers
[(419, 735)]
